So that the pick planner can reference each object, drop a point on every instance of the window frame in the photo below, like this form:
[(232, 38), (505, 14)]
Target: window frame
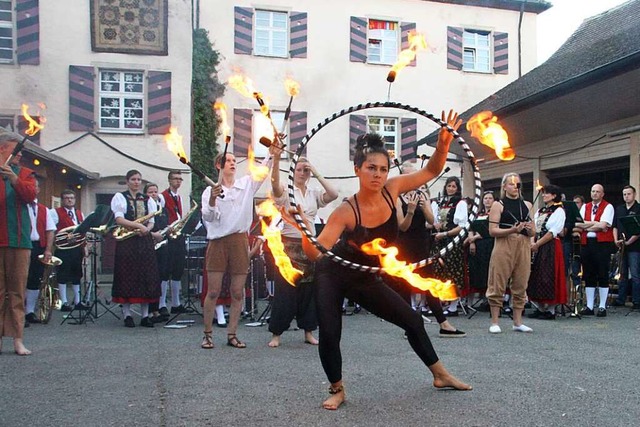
[(384, 133), (271, 30), (476, 48), (123, 96), (259, 150), (12, 26), (383, 41)]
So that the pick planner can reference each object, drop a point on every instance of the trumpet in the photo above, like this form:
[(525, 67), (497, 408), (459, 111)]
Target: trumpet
[(174, 230), (123, 233), (67, 239)]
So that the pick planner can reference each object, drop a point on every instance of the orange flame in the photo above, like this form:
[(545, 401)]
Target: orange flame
[(174, 142), (242, 84), (292, 86), (484, 126), (446, 291), (539, 186), (35, 126), (258, 172), (268, 209), (221, 109), (417, 42)]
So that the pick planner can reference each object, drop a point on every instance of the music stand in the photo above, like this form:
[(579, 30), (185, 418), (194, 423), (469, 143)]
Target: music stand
[(93, 290), (572, 211)]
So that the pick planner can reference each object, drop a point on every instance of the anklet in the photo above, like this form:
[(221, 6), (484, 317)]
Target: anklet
[(336, 390)]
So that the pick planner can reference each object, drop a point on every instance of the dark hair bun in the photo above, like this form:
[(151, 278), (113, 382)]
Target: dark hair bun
[(369, 140)]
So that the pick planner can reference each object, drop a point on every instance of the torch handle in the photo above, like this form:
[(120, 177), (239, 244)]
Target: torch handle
[(15, 151)]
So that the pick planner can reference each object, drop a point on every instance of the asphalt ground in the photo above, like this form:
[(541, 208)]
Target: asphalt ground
[(569, 372)]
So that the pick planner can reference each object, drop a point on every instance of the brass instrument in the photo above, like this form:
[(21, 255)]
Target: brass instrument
[(174, 230), (46, 298), (67, 239), (123, 233)]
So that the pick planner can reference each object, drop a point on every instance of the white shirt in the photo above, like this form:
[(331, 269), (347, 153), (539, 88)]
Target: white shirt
[(234, 213), (607, 216), (310, 202), (119, 206), (50, 225), (555, 223), (56, 219), (461, 216)]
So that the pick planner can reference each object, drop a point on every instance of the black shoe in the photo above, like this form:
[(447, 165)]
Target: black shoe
[(178, 309), (586, 312), (66, 308), (452, 334), (616, 303), (164, 312), (146, 322), (507, 310), (601, 312), (221, 325), (31, 318), (357, 309), (535, 315), (547, 315), (448, 313), (128, 322), (81, 306)]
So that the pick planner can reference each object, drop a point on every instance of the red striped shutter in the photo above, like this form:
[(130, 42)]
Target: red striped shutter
[(357, 127), (28, 28), (406, 28), (297, 130), (501, 53), (242, 118), (408, 138), (454, 48), (81, 98), (159, 102), (298, 34), (243, 30), (358, 40)]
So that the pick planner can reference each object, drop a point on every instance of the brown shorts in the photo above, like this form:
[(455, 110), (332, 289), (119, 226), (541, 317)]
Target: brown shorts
[(228, 254)]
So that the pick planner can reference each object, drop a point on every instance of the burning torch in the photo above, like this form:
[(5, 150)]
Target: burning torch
[(174, 142), (34, 128)]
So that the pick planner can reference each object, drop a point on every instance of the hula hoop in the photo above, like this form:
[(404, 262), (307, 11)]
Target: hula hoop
[(365, 268)]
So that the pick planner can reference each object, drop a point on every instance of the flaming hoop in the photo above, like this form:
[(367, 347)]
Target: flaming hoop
[(364, 268)]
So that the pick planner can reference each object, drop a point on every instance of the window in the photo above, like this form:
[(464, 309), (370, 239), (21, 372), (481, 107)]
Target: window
[(271, 33), (388, 128), (262, 127), (476, 54), (6, 32), (18, 124), (382, 42), (121, 101)]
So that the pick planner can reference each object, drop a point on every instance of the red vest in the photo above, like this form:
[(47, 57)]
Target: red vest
[(41, 224), (171, 206), (601, 236), (63, 218)]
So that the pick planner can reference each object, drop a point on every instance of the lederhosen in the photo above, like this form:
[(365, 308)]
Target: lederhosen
[(595, 252)]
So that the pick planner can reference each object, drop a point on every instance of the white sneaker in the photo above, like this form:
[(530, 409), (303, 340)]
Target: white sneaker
[(522, 328), (495, 329)]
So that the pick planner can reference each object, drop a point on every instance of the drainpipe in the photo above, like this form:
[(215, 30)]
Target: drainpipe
[(520, 38)]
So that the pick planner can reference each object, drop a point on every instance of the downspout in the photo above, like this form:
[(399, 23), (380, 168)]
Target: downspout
[(520, 39)]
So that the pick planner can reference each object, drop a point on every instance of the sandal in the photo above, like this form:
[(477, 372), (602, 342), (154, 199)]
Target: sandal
[(233, 341), (207, 341)]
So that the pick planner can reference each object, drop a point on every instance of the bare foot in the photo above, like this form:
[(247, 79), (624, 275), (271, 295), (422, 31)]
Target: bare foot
[(309, 338), (275, 341), (19, 347), (334, 401), (449, 381)]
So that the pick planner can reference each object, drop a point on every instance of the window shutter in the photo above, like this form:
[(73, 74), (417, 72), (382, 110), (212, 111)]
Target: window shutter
[(358, 37), (454, 48), (357, 127), (243, 30), (406, 28), (159, 102), (298, 34), (241, 131), (501, 53), (297, 130), (81, 98), (28, 27), (408, 138)]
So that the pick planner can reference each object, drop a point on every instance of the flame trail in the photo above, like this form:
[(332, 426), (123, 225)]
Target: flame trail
[(484, 126)]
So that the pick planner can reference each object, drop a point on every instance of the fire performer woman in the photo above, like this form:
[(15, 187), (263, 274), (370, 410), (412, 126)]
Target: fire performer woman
[(227, 221), (135, 275), (289, 301), (510, 224), (367, 215), (547, 283)]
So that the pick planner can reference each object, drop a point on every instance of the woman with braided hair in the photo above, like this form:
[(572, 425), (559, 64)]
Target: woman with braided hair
[(370, 214)]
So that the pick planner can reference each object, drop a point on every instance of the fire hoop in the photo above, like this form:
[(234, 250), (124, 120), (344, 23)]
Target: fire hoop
[(365, 268)]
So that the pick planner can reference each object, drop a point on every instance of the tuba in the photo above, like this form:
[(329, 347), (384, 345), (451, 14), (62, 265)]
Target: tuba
[(123, 233), (174, 230), (68, 239)]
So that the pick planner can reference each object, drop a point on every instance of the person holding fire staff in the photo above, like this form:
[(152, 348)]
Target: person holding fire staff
[(135, 275), (228, 220), (290, 301), (511, 225), (370, 214), (547, 282), (17, 190)]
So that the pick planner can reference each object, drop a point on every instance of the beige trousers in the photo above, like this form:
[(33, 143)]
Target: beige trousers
[(14, 269), (510, 259)]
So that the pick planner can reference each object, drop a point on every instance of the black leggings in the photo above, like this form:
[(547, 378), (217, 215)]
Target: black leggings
[(333, 284), (404, 290)]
